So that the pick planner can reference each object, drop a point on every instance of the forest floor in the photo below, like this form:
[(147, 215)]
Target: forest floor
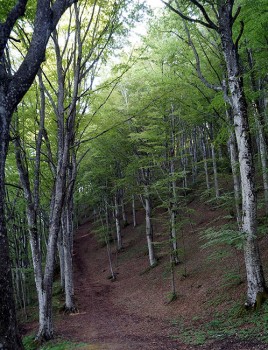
[(134, 312)]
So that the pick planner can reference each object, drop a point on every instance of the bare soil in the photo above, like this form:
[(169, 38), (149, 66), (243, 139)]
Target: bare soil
[(133, 312)]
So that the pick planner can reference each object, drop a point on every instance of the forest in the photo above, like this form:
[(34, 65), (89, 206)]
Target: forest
[(133, 174)]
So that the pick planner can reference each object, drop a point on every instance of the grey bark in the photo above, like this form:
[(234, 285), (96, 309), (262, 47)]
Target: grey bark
[(12, 90), (146, 201), (215, 171), (256, 104), (234, 165), (256, 286), (255, 277), (134, 212), (174, 200), (117, 221), (149, 227), (204, 152)]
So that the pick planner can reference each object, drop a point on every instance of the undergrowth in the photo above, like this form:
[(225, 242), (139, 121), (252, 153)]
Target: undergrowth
[(59, 344), (236, 322)]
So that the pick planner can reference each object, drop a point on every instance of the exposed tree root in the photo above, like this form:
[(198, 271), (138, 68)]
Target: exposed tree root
[(69, 310)]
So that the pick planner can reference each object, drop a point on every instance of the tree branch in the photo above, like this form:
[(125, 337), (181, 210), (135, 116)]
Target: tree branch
[(204, 12), (189, 19), (46, 20), (6, 28), (198, 66), (236, 14), (240, 33)]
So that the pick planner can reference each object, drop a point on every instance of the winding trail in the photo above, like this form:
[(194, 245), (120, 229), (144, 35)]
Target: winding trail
[(100, 322), (131, 313)]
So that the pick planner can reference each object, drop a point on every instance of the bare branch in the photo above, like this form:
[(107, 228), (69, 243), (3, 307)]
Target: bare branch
[(6, 28), (236, 14), (198, 66), (240, 33), (204, 12), (189, 19), (13, 185)]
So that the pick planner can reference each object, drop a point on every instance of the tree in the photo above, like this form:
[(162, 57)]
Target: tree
[(224, 26), (12, 89)]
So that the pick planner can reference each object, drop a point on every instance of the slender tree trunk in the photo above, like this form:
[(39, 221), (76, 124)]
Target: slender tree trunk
[(263, 156), (204, 151), (124, 214), (117, 222), (134, 212), (107, 241), (68, 260), (174, 201), (260, 128), (149, 227), (215, 171), (194, 156)]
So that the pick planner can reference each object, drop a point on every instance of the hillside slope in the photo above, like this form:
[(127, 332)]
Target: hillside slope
[(133, 312)]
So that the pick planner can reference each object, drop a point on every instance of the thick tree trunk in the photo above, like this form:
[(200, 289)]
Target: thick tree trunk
[(255, 278), (9, 335), (12, 90), (46, 330), (45, 311)]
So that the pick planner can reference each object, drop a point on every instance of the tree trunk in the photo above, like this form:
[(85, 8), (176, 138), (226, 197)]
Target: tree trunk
[(61, 258), (134, 212), (204, 151), (256, 103), (263, 155), (117, 222), (9, 335), (149, 228), (234, 165), (215, 171), (68, 259), (193, 156), (255, 278), (172, 188), (124, 214)]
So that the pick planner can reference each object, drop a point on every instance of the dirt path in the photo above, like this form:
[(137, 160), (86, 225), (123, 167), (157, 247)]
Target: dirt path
[(131, 313), (100, 322)]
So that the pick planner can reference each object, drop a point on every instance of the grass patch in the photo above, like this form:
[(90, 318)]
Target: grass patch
[(244, 325), (57, 344)]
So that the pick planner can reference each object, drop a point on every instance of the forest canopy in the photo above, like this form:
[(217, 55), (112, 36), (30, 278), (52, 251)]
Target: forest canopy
[(94, 126)]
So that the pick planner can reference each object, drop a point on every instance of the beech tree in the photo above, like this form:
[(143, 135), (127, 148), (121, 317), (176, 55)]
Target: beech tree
[(13, 87), (221, 17), (85, 45)]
